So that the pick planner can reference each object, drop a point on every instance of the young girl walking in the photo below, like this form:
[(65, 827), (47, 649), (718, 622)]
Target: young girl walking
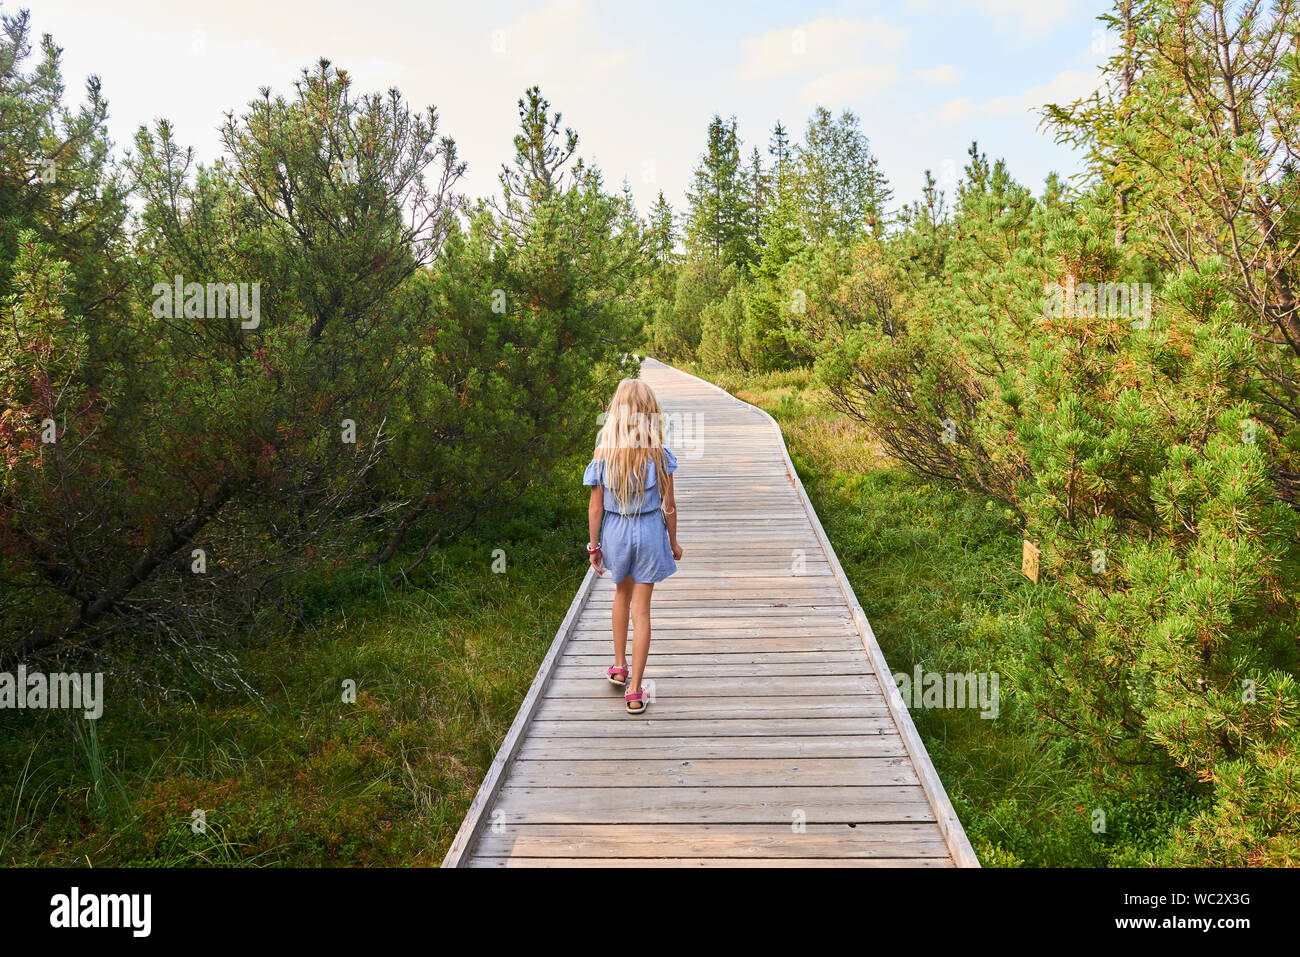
[(633, 523)]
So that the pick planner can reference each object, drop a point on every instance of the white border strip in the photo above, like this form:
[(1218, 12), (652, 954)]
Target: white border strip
[(954, 835), (459, 852)]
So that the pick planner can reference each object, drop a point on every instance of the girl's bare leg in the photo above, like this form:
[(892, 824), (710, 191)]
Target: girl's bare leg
[(641, 593), (622, 601)]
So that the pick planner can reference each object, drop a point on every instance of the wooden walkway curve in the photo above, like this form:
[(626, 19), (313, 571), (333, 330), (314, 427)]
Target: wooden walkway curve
[(772, 740)]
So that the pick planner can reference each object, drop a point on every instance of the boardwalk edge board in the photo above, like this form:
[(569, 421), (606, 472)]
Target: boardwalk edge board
[(954, 834), (467, 835)]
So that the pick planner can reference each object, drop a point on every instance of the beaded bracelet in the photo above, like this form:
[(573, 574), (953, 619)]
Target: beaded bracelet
[(592, 550)]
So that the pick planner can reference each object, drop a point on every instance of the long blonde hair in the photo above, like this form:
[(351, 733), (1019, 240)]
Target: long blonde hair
[(633, 434)]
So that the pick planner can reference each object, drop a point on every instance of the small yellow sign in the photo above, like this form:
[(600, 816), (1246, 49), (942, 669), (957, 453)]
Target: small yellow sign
[(1029, 561)]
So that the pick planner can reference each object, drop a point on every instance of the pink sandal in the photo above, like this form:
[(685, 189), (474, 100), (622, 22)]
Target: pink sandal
[(612, 674), (638, 695)]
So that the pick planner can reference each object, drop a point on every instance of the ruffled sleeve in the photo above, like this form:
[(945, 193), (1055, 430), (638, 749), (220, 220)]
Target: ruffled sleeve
[(593, 474), (670, 461)]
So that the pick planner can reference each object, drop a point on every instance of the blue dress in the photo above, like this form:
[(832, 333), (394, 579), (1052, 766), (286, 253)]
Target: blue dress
[(636, 544)]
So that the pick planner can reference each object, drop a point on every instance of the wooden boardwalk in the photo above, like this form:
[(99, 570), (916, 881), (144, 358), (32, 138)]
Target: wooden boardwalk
[(771, 740)]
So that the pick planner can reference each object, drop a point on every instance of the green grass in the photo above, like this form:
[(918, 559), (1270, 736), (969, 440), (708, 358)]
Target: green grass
[(938, 573), (294, 775)]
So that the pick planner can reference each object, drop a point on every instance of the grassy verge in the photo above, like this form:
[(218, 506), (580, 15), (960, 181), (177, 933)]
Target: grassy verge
[(938, 573), (301, 777)]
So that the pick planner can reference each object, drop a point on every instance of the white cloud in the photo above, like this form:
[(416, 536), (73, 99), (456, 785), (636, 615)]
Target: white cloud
[(852, 83), (559, 34), (1028, 16), (1065, 87), (954, 111), (822, 46), (1031, 16), (938, 76)]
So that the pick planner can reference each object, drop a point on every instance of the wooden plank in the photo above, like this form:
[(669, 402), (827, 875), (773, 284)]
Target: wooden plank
[(777, 636), (637, 727), (669, 688), (594, 666), (720, 772), (693, 709), (569, 862), (747, 603), (668, 747), (712, 643), (714, 805), (696, 616), (739, 841), (696, 567), (737, 585), (669, 662)]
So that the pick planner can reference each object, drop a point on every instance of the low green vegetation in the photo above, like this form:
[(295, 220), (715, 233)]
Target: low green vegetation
[(291, 774)]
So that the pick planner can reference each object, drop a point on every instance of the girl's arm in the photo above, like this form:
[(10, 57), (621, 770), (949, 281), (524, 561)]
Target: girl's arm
[(595, 512), (670, 516)]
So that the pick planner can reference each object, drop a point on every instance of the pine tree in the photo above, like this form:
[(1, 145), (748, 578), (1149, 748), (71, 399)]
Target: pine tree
[(1219, 171), (663, 236), (778, 147), (541, 152), (781, 227), (843, 192), (716, 221), (757, 183)]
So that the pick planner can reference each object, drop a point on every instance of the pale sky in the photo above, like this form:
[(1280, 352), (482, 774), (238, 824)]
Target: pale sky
[(638, 81)]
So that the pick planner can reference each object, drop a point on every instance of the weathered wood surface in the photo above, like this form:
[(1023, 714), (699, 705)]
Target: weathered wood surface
[(771, 739)]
